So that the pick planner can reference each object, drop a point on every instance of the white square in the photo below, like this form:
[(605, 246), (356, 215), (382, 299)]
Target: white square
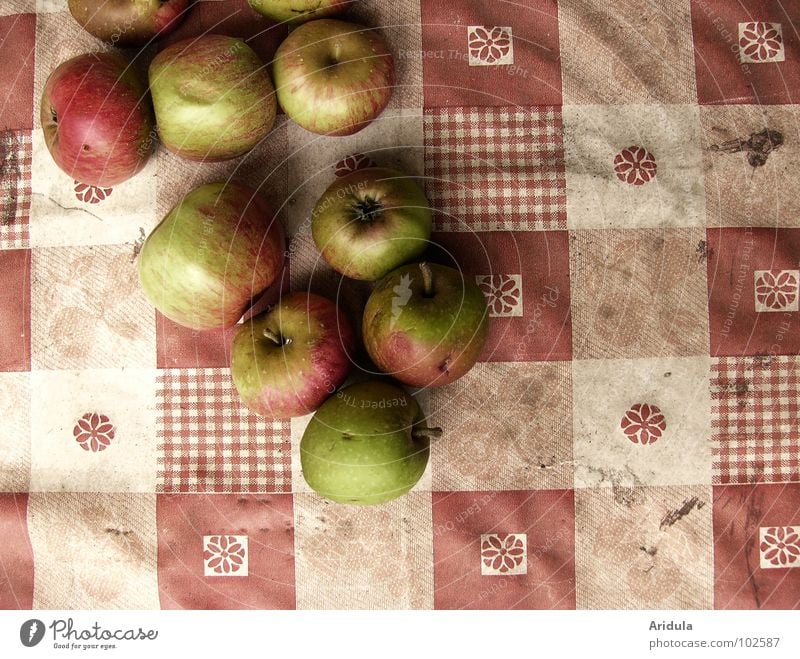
[(633, 166), (94, 551), (761, 43), (51, 6), (490, 46), (504, 554), (779, 547), (776, 290), (93, 430), (88, 309), (503, 294), (65, 212), (15, 432), (225, 555), (650, 426), (395, 139)]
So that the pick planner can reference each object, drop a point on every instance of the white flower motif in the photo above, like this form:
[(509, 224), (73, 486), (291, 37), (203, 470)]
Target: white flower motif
[(779, 546), (503, 294), (490, 46), (777, 290), (225, 555), (761, 42), (504, 553)]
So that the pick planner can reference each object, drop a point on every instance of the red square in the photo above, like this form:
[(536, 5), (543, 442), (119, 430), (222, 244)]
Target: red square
[(258, 530), (182, 347), (490, 53), (234, 18), (731, 66), (525, 277), (16, 555), (504, 550), (17, 38), (753, 280), (15, 310), (491, 169), (209, 442), (756, 560)]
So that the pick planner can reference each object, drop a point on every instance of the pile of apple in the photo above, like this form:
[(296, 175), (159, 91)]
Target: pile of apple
[(221, 247)]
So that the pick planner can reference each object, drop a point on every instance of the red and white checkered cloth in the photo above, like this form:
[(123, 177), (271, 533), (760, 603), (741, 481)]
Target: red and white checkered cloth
[(630, 436)]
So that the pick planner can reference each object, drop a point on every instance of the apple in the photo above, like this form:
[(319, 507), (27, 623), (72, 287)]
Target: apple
[(425, 324), (286, 361), (128, 22), (371, 221), (211, 256), (367, 444), (298, 11), (97, 119), (213, 98), (333, 77)]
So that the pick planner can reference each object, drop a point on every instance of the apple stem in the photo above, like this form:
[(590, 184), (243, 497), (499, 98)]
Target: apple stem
[(273, 337), (426, 433), (427, 279)]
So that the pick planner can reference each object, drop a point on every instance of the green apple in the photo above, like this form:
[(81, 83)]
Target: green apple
[(371, 221), (211, 256), (333, 77), (425, 324), (213, 98), (367, 444), (298, 11)]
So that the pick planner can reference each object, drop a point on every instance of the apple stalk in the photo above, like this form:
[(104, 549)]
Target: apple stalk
[(427, 433), (277, 339), (427, 279)]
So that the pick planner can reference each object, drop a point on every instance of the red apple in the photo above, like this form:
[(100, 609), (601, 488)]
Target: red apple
[(128, 22), (286, 361), (333, 77), (425, 324), (212, 256), (97, 119)]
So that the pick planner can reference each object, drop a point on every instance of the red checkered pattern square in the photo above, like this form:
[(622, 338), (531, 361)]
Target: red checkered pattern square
[(15, 188), (209, 442), (755, 407), (493, 169)]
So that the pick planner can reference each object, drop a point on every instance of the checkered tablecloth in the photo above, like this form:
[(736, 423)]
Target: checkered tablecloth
[(630, 436)]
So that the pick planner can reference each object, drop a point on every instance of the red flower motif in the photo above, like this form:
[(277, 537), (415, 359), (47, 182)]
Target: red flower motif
[(777, 290), (489, 44), (352, 163), (91, 194), (643, 423), (502, 554), (635, 165), (780, 545), (94, 432), (224, 554), (760, 41)]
